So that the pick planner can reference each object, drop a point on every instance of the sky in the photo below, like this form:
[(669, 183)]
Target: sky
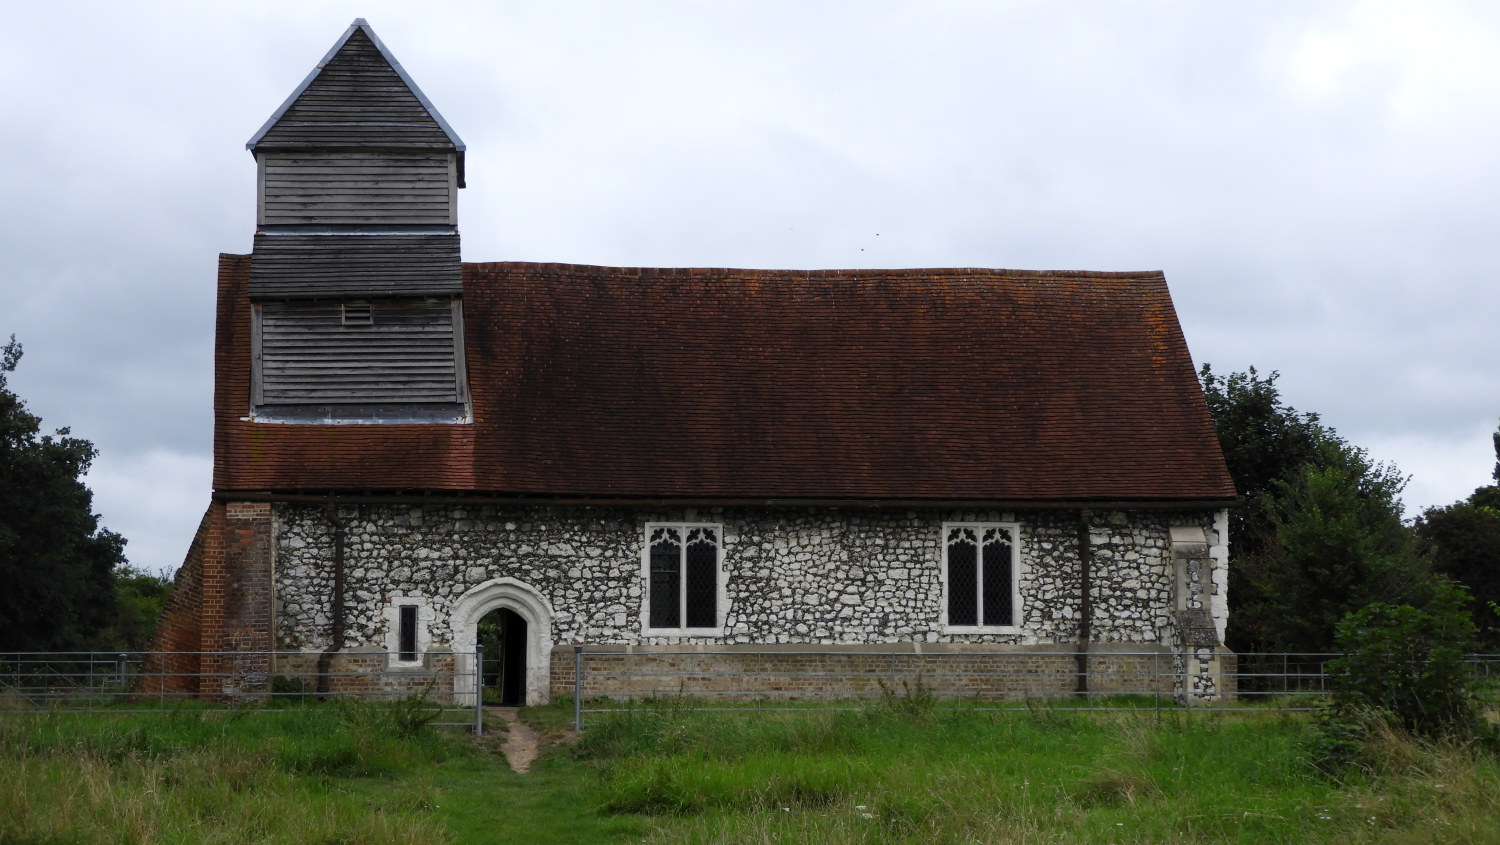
[(1317, 180)]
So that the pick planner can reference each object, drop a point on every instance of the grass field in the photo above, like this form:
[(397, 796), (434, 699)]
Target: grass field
[(886, 773)]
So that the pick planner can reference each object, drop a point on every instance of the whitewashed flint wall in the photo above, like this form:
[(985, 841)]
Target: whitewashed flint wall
[(799, 575)]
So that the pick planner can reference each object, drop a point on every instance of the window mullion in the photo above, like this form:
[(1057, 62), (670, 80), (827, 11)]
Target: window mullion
[(682, 592), (979, 616)]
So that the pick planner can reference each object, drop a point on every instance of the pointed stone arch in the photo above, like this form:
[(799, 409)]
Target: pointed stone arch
[(522, 599)]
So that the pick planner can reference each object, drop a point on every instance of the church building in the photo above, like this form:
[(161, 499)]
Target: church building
[(645, 461)]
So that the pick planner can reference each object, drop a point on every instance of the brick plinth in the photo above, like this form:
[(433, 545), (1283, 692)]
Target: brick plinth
[(366, 674), (730, 673)]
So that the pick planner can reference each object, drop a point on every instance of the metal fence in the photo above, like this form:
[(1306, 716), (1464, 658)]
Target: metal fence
[(241, 681), (607, 681)]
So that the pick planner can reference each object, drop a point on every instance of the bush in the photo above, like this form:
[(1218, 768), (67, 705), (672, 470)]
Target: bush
[(1408, 662)]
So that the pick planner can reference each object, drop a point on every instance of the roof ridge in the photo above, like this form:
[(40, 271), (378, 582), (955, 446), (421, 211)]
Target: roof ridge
[(903, 272)]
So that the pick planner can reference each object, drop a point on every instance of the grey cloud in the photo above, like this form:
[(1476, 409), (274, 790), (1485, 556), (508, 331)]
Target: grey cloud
[(1338, 233)]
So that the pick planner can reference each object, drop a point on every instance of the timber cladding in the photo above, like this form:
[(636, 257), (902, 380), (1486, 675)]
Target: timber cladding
[(321, 266), (400, 350), (352, 188)]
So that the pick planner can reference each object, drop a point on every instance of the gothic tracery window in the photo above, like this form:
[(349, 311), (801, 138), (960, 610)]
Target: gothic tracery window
[(979, 575), (683, 576)]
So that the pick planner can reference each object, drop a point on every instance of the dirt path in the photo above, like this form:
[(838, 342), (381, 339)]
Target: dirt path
[(521, 740)]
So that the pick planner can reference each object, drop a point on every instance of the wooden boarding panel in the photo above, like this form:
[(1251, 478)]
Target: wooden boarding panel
[(287, 266), (407, 352), (361, 188)]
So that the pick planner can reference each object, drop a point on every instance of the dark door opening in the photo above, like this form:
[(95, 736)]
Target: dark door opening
[(502, 632)]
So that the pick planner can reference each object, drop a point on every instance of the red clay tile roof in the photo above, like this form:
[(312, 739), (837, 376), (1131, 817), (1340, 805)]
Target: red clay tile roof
[(689, 384)]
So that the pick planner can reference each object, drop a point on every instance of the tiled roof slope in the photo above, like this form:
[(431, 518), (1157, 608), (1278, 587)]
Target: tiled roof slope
[(909, 385)]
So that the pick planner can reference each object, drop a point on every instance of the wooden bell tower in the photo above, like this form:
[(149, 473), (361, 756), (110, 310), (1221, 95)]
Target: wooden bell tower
[(355, 275)]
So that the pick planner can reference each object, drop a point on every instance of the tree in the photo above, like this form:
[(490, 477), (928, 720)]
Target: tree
[(1318, 532), (140, 598), (1464, 541), (1264, 441), (56, 563), (1337, 544)]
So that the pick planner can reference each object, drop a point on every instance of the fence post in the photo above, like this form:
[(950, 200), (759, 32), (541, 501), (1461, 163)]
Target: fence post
[(1156, 680), (577, 689), (479, 690), (123, 657)]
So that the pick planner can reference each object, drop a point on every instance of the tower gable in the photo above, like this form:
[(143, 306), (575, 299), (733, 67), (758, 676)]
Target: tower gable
[(357, 146), (358, 96)]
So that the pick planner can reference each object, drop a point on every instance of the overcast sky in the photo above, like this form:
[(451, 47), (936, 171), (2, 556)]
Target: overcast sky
[(1317, 180)]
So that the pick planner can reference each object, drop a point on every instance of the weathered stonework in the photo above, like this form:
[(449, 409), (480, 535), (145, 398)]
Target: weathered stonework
[(824, 576)]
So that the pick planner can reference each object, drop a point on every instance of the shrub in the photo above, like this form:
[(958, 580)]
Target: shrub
[(1408, 662)]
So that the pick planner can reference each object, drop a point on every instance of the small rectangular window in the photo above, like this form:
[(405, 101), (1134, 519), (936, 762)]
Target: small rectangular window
[(407, 636)]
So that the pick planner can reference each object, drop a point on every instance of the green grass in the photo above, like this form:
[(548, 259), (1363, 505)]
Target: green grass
[(883, 775), (887, 772)]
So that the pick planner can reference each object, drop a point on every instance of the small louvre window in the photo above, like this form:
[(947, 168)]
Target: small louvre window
[(358, 314)]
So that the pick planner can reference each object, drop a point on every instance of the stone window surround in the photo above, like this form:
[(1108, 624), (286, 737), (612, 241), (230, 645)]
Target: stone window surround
[(721, 595), (392, 616), (1016, 576)]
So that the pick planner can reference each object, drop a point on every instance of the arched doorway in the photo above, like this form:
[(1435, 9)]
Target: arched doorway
[(502, 633), (526, 636)]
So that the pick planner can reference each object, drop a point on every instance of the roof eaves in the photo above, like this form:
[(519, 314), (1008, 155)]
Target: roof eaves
[(360, 23), (403, 496)]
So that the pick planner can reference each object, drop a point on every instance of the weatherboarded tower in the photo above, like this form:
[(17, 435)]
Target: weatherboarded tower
[(354, 315), (355, 277)]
